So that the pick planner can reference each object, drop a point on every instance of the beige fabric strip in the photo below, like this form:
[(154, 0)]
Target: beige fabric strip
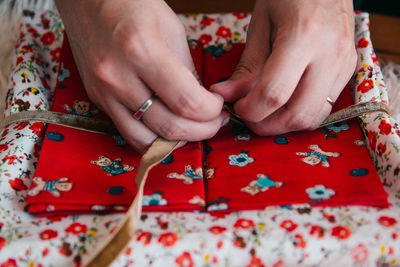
[(161, 148)]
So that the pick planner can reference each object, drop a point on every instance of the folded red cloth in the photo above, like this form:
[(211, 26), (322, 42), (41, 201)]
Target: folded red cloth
[(82, 172)]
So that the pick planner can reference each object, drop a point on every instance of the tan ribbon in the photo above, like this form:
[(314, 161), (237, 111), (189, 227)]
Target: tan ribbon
[(161, 148)]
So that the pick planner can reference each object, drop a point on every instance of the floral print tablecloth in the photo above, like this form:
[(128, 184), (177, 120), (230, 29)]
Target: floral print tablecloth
[(278, 236)]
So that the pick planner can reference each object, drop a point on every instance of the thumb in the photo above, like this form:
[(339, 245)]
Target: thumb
[(251, 63)]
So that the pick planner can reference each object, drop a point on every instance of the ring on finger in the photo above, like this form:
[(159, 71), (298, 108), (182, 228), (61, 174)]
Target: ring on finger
[(146, 105), (330, 101)]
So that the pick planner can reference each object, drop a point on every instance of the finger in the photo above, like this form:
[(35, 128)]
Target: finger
[(135, 133), (252, 60), (307, 107), (176, 85), (173, 127), (279, 78)]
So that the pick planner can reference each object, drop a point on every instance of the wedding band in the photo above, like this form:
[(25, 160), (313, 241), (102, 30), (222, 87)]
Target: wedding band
[(140, 112), (330, 101)]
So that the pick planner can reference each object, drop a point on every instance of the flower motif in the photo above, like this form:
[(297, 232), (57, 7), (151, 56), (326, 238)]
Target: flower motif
[(64, 73), (240, 160), (244, 223), (3, 242), (299, 241), (381, 149), (184, 260), (387, 221), (146, 236), (341, 232), (217, 230), (56, 53), (318, 230), (288, 225), (206, 21), (384, 127), (168, 239), (360, 254), (372, 139), (240, 16), (319, 192), (17, 184), (339, 126), (205, 38), (76, 228), (48, 38), (365, 86), (48, 234), (363, 42), (154, 200), (10, 262), (216, 207), (37, 128), (223, 32)]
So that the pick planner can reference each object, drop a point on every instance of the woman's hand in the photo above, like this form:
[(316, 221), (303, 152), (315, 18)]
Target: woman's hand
[(127, 51), (298, 53)]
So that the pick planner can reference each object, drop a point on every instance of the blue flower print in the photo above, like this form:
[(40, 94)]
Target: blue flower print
[(319, 192), (240, 160), (64, 73), (154, 200), (339, 126), (220, 206)]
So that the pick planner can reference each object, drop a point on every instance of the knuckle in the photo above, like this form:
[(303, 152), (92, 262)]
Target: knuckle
[(131, 42), (189, 106), (172, 130), (300, 121), (273, 98), (103, 70)]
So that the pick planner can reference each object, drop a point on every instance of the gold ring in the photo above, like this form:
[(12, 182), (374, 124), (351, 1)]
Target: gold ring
[(330, 101)]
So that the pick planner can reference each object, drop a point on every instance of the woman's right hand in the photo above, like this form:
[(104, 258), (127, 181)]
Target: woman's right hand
[(127, 51)]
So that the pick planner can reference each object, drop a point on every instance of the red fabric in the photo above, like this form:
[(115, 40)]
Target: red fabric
[(241, 170)]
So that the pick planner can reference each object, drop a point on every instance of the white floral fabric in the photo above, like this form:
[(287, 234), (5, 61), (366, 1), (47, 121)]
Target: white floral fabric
[(278, 236)]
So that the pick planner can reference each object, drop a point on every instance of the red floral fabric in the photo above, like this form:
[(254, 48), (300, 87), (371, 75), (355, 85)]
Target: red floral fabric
[(83, 172)]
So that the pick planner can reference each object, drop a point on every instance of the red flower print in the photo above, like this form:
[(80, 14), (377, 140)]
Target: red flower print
[(360, 254), (19, 60), (206, 21), (3, 242), (385, 128), (3, 147), (9, 263), (21, 125), (48, 38), (205, 38), (372, 139), (25, 48), (56, 53), (146, 236), (341, 232), (17, 184), (163, 224), (365, 86), (184, 260), (381, 149), (299, 241), (363, 42), (217, 230), (239, 242), (223, 32), (255, 262), (318, 230), (330, 217), (387, 221), (45, 252), (48, 234), (33, 31), (76, 228), (240, 15), (37, 128), (168, 239), (244, 223), (288, 225)]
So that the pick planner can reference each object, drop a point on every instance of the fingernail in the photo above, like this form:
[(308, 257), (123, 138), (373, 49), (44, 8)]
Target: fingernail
[(220, 98), (226, 121)]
